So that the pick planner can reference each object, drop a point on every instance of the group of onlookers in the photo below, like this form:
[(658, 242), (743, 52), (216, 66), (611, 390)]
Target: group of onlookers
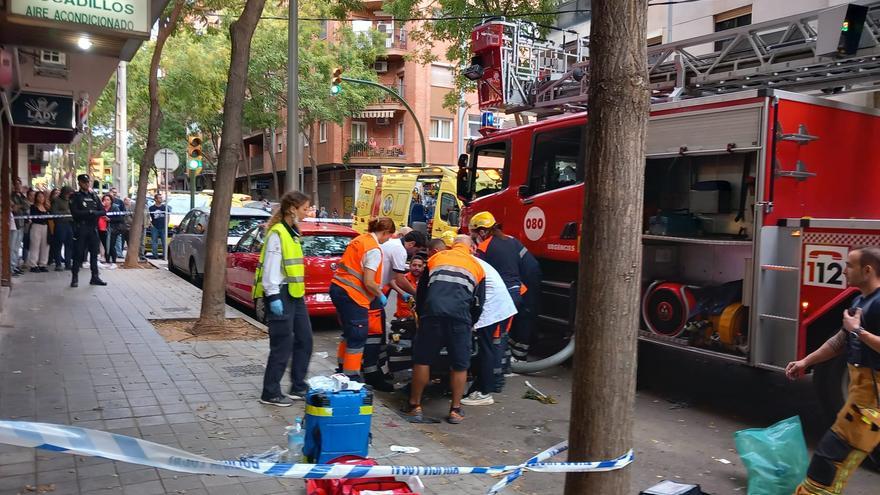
[(37, 243)]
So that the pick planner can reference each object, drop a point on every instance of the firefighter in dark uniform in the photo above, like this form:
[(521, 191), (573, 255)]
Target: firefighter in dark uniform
[(856, 431), (85, 207)]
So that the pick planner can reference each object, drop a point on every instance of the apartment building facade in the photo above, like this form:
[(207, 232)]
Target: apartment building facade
[(384, 134)]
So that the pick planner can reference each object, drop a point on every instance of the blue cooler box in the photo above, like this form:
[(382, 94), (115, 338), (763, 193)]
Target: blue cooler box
[(337, 424)]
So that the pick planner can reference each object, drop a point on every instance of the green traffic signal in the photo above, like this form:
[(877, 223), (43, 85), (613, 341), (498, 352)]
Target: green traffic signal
[(194, 164), (335, 89)]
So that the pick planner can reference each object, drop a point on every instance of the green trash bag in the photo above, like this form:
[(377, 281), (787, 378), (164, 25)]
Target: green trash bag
[(776, 457)]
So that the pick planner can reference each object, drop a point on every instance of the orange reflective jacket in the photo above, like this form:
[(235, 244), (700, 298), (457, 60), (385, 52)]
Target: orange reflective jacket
[(350, 271)]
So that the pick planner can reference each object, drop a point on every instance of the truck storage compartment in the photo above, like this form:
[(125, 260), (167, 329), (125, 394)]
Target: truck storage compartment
[(698, 250)]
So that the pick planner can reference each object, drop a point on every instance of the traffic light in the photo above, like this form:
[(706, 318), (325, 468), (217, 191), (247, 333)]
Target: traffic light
[(194, 152), (336, 82), (108, 173), (840, 30)]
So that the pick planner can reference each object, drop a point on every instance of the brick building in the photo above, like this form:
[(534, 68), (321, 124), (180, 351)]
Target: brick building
[(383, 134)]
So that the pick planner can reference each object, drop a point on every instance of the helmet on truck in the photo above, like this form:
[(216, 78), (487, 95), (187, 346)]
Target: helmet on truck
[(482, 220)]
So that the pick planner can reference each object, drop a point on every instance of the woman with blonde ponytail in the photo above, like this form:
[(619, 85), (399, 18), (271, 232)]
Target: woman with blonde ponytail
[(280, 280)]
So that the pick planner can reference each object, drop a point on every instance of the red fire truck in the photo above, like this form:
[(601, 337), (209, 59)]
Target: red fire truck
[(753, 195)]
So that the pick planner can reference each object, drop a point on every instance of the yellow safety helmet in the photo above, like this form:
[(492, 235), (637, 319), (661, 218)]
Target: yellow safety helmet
[(448, 238), (482, 220)]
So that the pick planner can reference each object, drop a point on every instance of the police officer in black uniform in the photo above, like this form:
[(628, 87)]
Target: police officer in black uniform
[(86, 207)]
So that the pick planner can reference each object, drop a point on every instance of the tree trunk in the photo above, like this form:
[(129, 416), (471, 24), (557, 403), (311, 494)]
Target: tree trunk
[(137, 222), (604, 381), (273, 159), (313, 162), (213, 311)]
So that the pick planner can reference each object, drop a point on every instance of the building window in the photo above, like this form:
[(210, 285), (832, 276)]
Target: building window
[(441, 75), (400, 127), (279, 141), (473, 130), (304, 139), (359, 132), (400, 86), (441, 129), (731, 19), (556, 160), (323, 31), (322, 132)]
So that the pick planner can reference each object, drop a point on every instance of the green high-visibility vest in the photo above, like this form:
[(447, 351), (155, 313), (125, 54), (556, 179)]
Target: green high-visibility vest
[(292, 262)]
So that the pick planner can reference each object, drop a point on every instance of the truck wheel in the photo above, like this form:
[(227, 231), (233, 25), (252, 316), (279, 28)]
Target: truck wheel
[(831, 380), (526, 367)]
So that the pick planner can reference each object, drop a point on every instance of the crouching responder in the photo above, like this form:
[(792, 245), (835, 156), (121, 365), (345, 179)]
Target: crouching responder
[(450, 299), (280, 279), (856, 431), (394, 269), (356, 288)]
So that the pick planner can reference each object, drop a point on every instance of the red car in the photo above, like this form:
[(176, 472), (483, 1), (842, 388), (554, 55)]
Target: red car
[(323, 245)]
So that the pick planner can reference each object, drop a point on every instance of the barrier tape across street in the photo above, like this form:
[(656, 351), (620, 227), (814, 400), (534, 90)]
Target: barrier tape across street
[(94, 443)]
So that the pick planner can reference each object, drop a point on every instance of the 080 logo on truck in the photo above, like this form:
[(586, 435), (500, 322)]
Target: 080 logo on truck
[(824, 265), (534, 223)]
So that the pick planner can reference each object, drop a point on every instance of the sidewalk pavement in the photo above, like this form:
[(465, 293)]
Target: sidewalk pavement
[(89, 357)]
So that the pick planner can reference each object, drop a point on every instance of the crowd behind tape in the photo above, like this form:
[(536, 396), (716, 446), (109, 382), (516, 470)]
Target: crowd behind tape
[(94, 443)]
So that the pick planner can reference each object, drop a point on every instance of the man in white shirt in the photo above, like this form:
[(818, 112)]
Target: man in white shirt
[(494, 321), (394, 268)]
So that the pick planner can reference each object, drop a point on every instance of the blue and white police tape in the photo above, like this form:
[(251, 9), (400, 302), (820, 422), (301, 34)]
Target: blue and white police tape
[(94, 443)]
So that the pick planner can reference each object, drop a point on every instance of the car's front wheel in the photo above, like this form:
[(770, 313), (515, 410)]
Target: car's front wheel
[(260, 310), (194, 276)]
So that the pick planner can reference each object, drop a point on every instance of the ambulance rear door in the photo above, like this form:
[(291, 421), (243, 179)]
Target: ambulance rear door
[(396, 197), (363, 205)]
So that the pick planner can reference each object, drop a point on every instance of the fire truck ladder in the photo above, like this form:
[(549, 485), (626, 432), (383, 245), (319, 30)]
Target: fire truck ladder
[(544, 77)]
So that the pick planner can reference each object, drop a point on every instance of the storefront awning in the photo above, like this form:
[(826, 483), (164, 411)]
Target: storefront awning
[(375, 114)]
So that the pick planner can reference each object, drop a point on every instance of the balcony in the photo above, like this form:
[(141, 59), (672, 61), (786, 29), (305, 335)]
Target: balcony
[(256, 164), (385, 148), (396, 38), (385, 102)]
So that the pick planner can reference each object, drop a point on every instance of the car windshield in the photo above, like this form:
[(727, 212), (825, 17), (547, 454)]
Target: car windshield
[(180, 204), (239, 225), (325, 245)]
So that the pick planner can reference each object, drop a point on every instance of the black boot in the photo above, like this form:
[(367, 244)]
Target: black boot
[(97, 281), (74, 281)]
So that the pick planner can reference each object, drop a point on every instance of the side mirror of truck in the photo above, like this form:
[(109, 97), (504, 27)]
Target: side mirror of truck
[(463, 183)]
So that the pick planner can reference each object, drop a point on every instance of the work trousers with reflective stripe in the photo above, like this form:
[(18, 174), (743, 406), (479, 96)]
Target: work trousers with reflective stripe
[(290, 335), (523, 323), (375, 364), (854, 435), (354, 319), (487, 365)]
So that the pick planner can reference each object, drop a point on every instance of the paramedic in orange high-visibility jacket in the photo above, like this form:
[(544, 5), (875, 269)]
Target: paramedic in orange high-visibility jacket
[(356, 288), (450, 299)]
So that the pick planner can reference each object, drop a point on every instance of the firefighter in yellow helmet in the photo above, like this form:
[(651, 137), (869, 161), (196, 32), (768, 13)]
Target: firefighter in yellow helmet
[(521, 274), (280, 281)]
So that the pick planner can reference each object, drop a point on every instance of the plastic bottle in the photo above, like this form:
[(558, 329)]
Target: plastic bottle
[(296, 437)]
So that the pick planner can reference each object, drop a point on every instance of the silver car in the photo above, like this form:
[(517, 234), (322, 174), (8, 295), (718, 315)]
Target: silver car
[(186, 251)]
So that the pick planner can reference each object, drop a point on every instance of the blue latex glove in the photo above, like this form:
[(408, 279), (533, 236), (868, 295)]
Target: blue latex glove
[(276, 307), (406, 296), (383, 300)]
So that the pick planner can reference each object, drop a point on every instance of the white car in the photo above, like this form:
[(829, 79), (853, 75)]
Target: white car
[(186, 251)]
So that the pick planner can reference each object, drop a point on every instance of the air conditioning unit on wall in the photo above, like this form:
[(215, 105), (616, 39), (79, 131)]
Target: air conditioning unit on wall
[(381, 66)]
